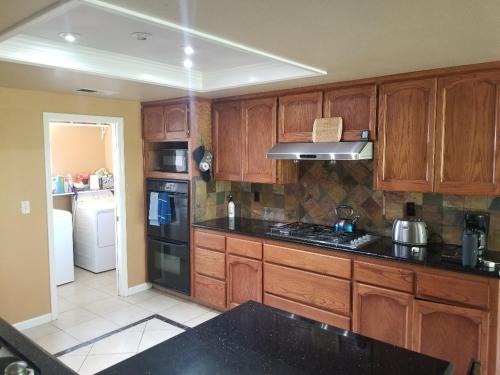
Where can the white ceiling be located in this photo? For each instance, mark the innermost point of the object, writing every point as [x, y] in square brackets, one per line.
[349, 39]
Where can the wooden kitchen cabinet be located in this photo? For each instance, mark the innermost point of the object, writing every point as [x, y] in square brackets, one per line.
[406, 135]
[467, 129]
[259, 135]
[153, 128]
[227, 140]
[176, 121]
[244, 280]
[243, 132]
[451, 333]
[358, 108]
[297, 114]
[165, 122]
[382, 314]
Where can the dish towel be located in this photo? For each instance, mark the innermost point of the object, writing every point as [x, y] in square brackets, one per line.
[153, 209]
[164, 209]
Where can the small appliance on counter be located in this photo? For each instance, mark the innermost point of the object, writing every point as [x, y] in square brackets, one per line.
[410, 231]
[346, 220]
[474, 237]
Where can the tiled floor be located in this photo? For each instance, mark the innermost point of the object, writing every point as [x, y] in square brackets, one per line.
[90, 308]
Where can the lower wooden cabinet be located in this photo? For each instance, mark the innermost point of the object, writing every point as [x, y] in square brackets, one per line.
[210, 291]
[244, 280]
[451, 333]
[382, 314]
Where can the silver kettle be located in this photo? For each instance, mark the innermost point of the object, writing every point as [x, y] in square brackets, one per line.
[411, 231]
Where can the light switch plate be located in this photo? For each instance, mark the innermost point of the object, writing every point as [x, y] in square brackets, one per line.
[25, 207]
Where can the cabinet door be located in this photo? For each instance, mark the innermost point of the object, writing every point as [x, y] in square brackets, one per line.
[297, 114]
[467, 132]
[227, 130]
[244, 280]
[358, 108]
[259, 135]
[451, 333]
[153, 125]
[176, 121]
[371, 303]
[406, 136]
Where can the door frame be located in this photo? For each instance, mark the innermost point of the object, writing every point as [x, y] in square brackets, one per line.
[116, 124]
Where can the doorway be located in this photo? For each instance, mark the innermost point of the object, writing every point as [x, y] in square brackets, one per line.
[89, 199]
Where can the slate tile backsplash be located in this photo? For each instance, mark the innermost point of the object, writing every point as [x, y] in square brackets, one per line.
[324, 185]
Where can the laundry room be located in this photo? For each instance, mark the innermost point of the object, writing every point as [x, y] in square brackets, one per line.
[84, 234]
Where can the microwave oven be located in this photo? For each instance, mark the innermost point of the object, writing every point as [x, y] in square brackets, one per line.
[173, 160]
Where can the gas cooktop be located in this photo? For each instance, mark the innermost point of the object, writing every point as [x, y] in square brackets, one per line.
[322, 234]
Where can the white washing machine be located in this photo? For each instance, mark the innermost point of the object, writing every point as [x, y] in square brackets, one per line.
[63, 246]
[94, 232]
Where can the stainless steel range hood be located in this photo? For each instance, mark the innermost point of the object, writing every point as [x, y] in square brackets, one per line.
[322, 151]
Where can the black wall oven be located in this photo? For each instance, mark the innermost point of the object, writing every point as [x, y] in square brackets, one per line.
[168, 244]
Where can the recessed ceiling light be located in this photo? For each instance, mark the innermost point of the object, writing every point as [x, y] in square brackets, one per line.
[188, 63]
[188, 50]
[141, 36]
[69, 37]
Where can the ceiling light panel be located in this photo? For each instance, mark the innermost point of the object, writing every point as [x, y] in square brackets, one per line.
[109, 49]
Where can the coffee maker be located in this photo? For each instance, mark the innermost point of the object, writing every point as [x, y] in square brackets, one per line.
[477, 223]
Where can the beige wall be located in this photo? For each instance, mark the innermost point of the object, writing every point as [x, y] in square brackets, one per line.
[24, 265]
[78, 150]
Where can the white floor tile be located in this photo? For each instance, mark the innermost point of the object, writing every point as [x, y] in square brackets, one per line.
[158, 303]
[157, 325]
[108, 305]
[72, 289]
[119, 343]
[92, 329]
[64, 305]
[184, 312]
[57, 342]
[74, 362]
[152, 338]
[87, 297]
[81, 351]
[98, 362]
[127, 315]
[40, 331]
[201, 319]
[73, 317]
[141, 296]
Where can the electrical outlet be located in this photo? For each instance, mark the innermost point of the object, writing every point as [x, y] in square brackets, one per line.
[25, 207]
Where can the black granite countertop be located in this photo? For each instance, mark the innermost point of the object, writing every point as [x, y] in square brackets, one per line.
[257, 339]
[43, 362]
[431, 256]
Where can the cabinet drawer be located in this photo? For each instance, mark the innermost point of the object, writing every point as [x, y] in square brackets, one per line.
[244, 247]
[315, 262]
[210, 291]
[210, 240]
[390, 277]
[453, 289]
[319, 291]
[210, 263]
[308, 311]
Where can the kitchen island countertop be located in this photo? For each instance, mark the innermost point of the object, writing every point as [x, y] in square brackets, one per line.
[257, 339]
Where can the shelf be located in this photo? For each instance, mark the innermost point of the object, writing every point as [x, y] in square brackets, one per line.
[79, 192]
[175, 176]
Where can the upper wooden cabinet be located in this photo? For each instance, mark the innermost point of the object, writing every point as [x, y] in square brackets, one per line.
[243, 132]
[176, 121]
[153, 128]
[371, 303]
[467, 157]
[259, 135]
[451, 333]
[227, 140]
[297, 114]
[406, 135]
[165, 122]
[358, 108]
